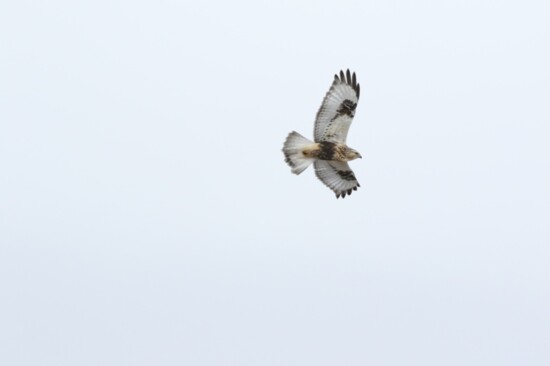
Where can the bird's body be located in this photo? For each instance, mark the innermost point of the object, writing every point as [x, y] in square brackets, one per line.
[329, 152]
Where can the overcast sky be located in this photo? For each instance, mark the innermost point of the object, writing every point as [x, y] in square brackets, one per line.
[147, 216]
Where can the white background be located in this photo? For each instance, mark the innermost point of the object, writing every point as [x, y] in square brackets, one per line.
[147, 216]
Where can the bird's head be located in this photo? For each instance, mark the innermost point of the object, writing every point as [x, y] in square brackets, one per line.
[353, 154]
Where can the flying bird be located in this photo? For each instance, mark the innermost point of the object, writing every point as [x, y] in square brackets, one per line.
[329, 152]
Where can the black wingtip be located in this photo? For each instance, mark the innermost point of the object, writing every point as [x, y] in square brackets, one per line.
[349, 78]
[347, 192]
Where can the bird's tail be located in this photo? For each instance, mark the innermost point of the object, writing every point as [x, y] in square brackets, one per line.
[293, 150]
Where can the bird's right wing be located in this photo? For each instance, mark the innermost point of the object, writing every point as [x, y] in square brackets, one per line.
[338, 109]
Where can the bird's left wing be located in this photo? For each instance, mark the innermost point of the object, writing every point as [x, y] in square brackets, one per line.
[336, 175]
[336, 113]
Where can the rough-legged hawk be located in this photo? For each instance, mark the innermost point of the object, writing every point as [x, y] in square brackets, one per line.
[329, 153]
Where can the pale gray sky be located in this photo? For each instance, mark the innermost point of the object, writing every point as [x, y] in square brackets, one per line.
[147, 216]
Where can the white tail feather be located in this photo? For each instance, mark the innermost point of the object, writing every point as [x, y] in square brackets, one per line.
[294, 157]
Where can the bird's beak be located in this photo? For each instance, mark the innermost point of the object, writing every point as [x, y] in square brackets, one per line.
[360, 157]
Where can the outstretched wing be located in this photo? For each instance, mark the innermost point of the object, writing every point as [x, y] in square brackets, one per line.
[338, 108]
[337, 176]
